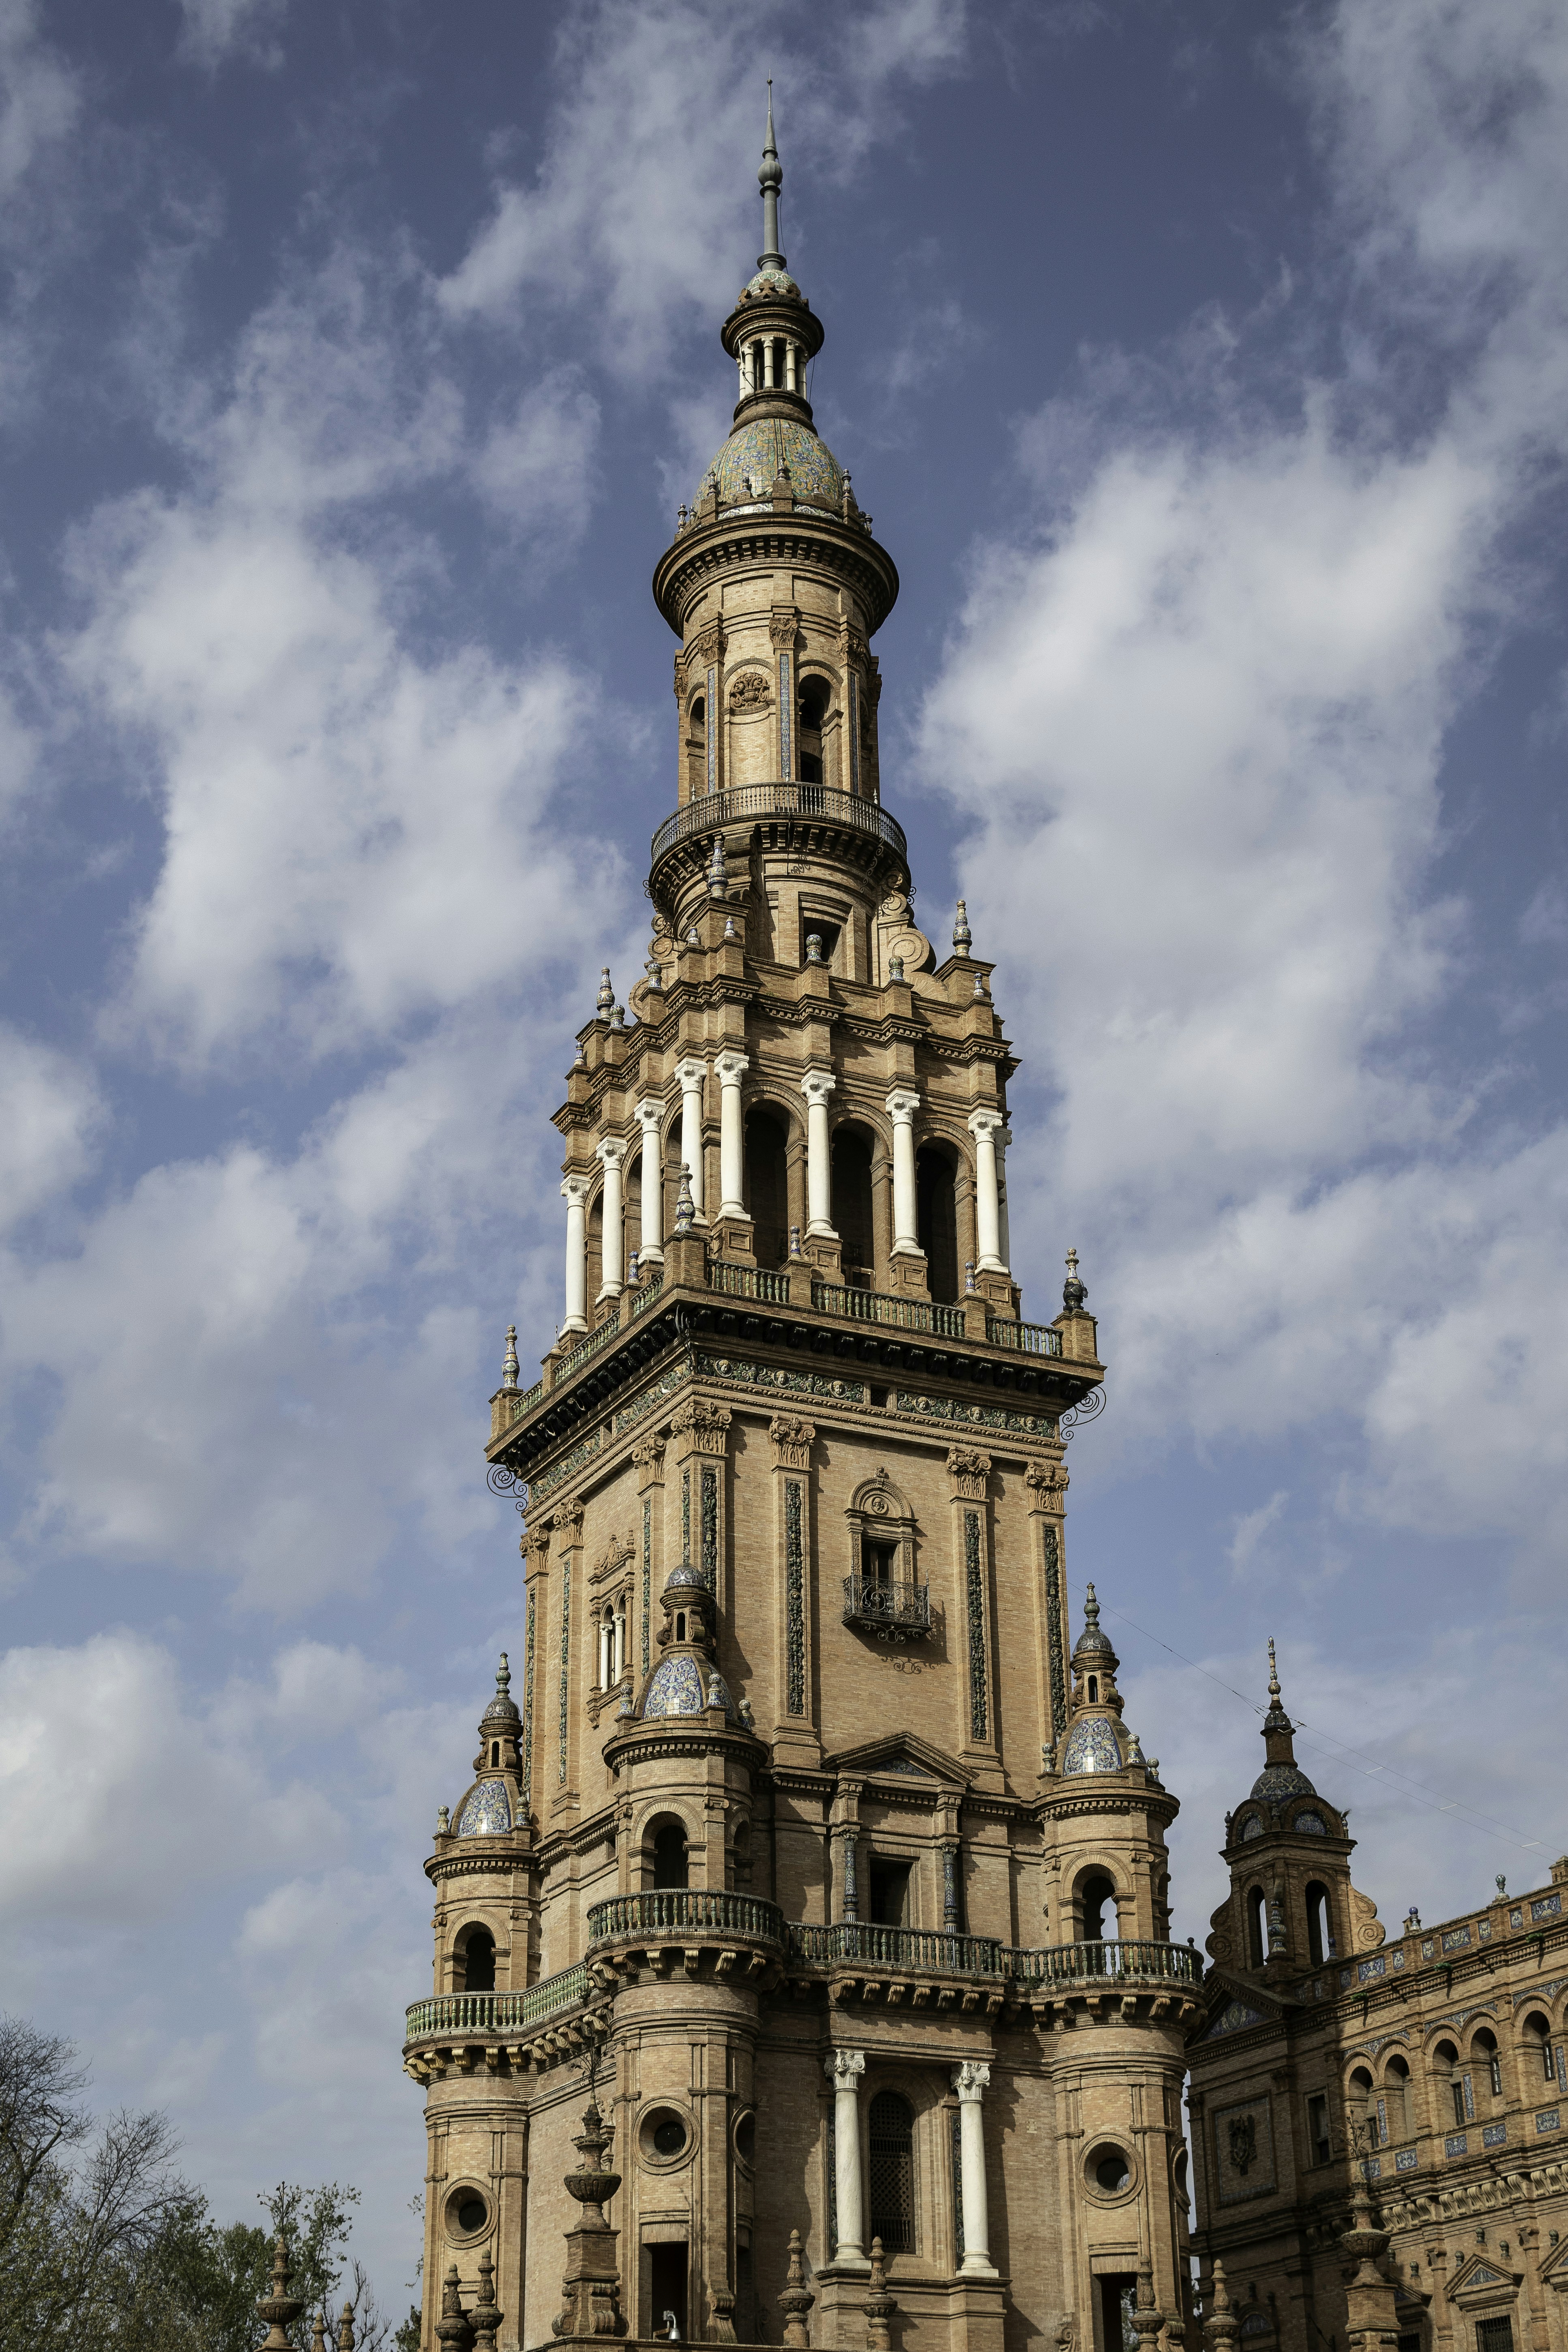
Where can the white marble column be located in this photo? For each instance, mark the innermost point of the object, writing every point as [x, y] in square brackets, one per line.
[612, 1153]
[1004, 1234]
[983, 1127]
[843, 2069]
[901, 1106]
[574, 1192]
[970, 2081]
[732, 1069]
[691, 1076]
[817, 1086]
[650, 1118]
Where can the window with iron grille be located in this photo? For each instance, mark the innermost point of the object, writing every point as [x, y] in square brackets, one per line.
[892, 2172]
[1494, 2335]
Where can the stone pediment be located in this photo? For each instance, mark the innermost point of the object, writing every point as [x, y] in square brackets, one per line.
[1233, 2007]
[1484, 2279]
[902, 1756]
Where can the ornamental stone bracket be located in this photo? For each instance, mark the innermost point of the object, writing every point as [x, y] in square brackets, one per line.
[792, 1442]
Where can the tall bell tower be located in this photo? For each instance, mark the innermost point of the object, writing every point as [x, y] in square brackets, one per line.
[811, 1852]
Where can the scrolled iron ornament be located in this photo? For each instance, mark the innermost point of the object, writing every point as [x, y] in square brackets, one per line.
[502, 1480]
[1087, 1408]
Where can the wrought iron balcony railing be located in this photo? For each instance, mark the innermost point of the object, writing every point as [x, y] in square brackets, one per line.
[497, 2013]
[900, 1610]
[821, 803]
[670, 1911]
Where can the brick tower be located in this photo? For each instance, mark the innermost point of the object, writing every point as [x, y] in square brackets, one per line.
[814, 1881]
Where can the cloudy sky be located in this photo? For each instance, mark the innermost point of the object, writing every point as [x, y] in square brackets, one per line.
[1205, 367]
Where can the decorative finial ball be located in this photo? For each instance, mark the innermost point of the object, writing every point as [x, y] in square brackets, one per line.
[814, 947]
[895, 967]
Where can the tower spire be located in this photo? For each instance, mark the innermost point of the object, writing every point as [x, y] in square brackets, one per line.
[771, 176]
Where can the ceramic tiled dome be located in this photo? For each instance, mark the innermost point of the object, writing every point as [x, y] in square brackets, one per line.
[754, 452]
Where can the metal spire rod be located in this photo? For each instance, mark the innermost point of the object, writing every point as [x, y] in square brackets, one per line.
[772, 178]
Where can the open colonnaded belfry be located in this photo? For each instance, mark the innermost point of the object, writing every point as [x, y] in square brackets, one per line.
[802, 1955]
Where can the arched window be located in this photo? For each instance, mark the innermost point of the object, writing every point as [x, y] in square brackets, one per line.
[1446, 2064]
[479, 1961]
[767, 1184]
[669, 1857]
[1097, 1904]
[815, 695]
[1093, 1689]
[1537, 2035]
[1363, 2106]
[1490, 2057]
[1401, 2100]
[851, 1209]
[1320, 1933]
[936, 1220]
[1257, 1935]
[696, 747]
[891, 2181]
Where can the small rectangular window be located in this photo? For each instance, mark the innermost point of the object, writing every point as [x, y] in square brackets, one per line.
[879, 1562]
[1494, 2335]
[1318, 2129]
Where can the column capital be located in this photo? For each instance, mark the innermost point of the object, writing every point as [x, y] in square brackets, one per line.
[575, 1190]
[649, 1112]
[971, 2079]
[902, 1105]
[691, 1073]
[817, 1085]
[985, 1123]
[844, 2067]
[732, 1065]
[612, 1150]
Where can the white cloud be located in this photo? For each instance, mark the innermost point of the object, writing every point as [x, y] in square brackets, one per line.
[1251, 1529]
[49, 1114]
[40, 96]
[113, 1782]
[216, 31]
[1200, 717]
[535, 467]
[632, 214]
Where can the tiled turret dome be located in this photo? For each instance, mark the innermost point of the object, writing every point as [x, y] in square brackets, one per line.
[754, 453]
[679, 1685]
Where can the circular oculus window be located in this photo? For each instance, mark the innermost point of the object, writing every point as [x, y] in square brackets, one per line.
[1110, 2169]
[467, 2214]
[665, 2135]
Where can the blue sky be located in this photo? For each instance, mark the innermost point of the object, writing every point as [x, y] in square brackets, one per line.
[1205, 368]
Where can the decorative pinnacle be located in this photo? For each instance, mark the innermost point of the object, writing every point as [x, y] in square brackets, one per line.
[1090, 1608]
[963, 940]
[503, 1677]
[509, 1369]
[771, 180]
[1273, 1671]
[1074, 1292]
[606, 1000]
[685, 1206]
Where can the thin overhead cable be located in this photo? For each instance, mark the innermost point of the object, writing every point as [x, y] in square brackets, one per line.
[1357, 1757]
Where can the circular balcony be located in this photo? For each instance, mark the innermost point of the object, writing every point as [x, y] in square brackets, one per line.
[808, 815]
[686, 1914]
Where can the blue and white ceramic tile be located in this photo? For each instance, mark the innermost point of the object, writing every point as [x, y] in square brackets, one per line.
[486, 1813]
[1091, 1747]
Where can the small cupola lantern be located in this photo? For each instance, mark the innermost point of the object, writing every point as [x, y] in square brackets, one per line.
[687, 1680]
[493, 1806]
[1094, 1743]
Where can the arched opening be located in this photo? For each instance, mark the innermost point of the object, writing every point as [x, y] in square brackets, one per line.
[595, 1256]
[1097, 1906]
[1320, 1935]
[479, 1961]
[1489, 2060]
[891, 2181]
[696, 747]
[851, 1209]
[1537, 2035]
[1257, 1937]
[1363, 2107]
[495, 1753]
[936, 1220]
[1400, 2100]
[671, 1861]
[1446, 2064]
[814, 696]
[1094, 1690]
[767, 1184]
[740, 1856]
